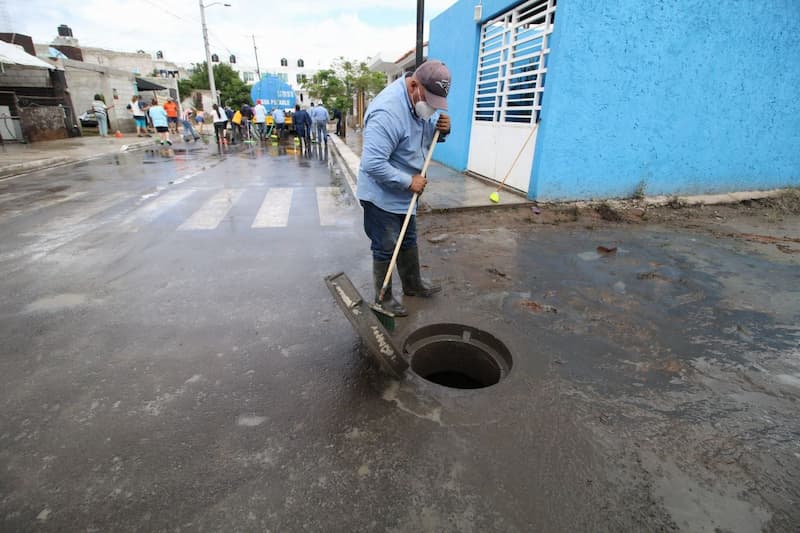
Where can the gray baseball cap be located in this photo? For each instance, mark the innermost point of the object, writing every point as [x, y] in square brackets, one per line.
[435, 77]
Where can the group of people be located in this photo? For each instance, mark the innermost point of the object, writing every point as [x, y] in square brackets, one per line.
[230, 125]
[164, 118]
[248, 122]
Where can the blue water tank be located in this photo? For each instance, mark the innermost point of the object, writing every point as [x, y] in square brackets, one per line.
[273, 92]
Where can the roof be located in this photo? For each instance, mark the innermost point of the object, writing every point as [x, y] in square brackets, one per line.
[411, 52]
[145, 85]
[11, 54]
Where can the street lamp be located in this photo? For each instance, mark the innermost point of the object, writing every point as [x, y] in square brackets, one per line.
[211, 83]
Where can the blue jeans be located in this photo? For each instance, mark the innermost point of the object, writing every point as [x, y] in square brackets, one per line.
[187, 129]
[321, 128]
[102, 124]
[383, 229]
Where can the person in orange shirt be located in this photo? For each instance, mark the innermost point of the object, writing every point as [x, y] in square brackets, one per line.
[171, 107]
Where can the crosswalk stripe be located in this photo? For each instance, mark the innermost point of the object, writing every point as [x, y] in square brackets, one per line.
[274, 210]
[68, 228]
[327, 205]
[213, 211]
[152, 210]
[40, 205]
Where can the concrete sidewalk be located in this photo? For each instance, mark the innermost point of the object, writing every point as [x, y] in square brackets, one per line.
[448, 189]
[18, 159]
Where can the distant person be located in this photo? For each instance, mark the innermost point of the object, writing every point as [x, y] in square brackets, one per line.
[137, 110]
[247, 120]
[321, 123]
[260, 114]
[279, 118]
[312, 111]
[200, 120]
[188, 130]
[220, 118]
[337, 116]
[302, 124]
[171, 107]
[158, 115]
[236, 126]
[100, 111]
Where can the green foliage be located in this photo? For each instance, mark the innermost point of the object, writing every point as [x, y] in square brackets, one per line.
[185, 88]
[231, 88]
[327, 87]
[337, 85]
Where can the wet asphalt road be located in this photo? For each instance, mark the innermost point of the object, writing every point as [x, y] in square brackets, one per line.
[171, 360]
[165, 347]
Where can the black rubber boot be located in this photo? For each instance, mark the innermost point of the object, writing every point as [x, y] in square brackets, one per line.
[408, 268]
[390, 306]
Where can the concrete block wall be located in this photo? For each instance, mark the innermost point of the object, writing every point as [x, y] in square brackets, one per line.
[18, 76]
[135, 63]
[84, 81]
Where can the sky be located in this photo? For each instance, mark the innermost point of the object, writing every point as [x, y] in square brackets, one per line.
[316, 31]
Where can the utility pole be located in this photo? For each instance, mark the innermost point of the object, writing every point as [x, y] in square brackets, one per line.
[255, 51]
[211, 83]
[420, 28]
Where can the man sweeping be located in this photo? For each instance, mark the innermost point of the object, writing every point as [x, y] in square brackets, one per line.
[398, 130]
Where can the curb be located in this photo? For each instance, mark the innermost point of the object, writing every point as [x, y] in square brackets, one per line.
[348, 160]
[20, 169]
[664, 200]
[10, 171]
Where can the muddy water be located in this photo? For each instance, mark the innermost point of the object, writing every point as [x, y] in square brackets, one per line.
[677, 353]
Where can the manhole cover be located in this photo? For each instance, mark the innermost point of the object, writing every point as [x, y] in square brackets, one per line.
[457, 356]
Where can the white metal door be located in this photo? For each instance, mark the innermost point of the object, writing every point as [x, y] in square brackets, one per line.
[511, 71]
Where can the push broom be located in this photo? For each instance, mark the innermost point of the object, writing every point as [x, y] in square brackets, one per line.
[495, 197]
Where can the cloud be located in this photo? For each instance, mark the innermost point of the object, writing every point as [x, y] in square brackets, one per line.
[320, 32]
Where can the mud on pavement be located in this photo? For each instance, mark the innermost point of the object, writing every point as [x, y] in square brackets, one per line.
[670, 335]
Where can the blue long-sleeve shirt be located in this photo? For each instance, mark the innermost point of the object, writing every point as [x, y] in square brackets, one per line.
[395, 143]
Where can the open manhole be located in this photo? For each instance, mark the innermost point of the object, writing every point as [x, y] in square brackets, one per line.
[457, 356]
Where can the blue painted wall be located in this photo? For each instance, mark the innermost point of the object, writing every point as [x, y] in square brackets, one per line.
[685, 96]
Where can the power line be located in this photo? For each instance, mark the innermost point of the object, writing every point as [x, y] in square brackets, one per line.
[216, 38]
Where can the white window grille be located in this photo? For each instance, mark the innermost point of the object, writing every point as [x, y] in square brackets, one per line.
[512, 63]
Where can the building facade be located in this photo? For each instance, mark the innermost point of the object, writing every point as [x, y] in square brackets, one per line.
[615, 98]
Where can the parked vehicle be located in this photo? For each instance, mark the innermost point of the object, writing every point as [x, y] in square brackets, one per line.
[88, 120]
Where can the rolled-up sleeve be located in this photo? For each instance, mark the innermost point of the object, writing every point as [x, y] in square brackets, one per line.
[380, 139]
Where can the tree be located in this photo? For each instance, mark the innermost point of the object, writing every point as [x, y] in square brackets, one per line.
[337, 85]
[327, 87]
[231, 88]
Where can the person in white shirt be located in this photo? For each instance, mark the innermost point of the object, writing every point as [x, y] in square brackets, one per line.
[137, 110]
[260, 114]
[220, 123]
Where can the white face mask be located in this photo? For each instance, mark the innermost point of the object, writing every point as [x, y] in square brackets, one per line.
[423, 109]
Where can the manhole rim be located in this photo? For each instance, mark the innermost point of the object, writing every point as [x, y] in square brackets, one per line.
[500, 353]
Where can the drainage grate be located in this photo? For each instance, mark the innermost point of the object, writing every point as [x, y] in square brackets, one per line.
[458, 356]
